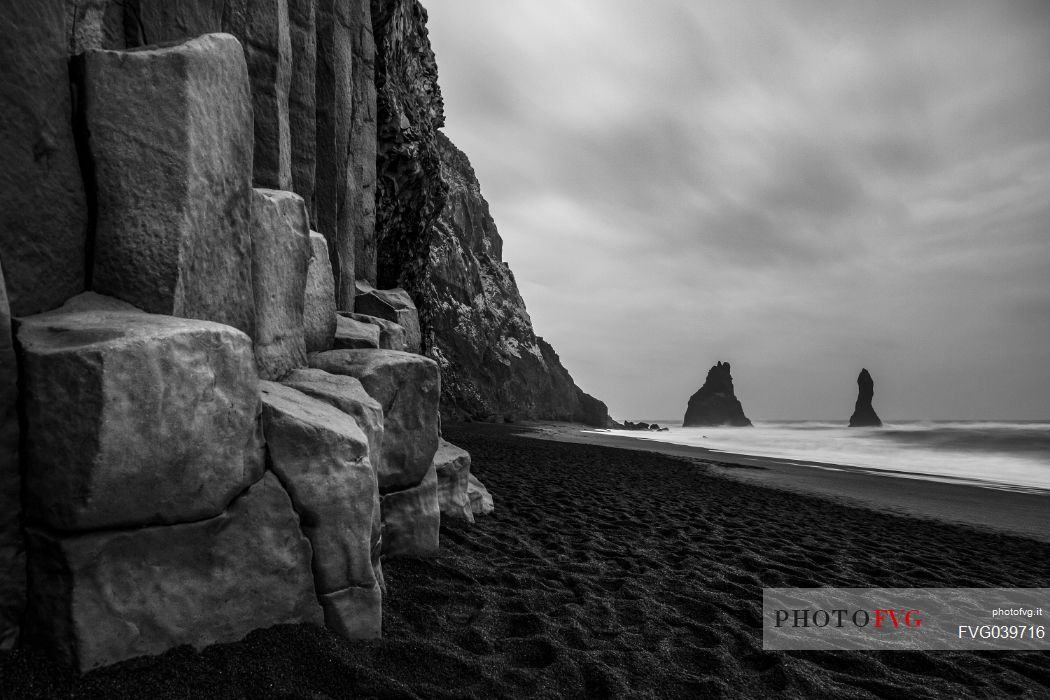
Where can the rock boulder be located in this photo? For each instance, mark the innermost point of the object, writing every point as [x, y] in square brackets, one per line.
[321, 457]
[715, 403]
[346, 394]
[171, 140]
[104, 597]
[393, 305]
[480, 499]
[407, 387]
[452, 465]
[412, 519]
[391, 335]
[351, 334]
[135, 419]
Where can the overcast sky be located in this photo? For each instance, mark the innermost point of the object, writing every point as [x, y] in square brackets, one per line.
[799, 188]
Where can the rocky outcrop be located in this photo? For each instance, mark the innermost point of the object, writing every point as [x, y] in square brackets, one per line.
[407, 387]
[412, 519]
[351, 334]
[392, 336]
[864, 415]
[346, 394]
[480, 499]
[102, 597]
[12, 548]
[43, 206]
[452, 465]
[715, 403]
[321, 456]
[135, 419]
[156, 513]
[492, 363]
[319, 321]
[174, 239]
[394, 305]
[281, 252]
[410, 192]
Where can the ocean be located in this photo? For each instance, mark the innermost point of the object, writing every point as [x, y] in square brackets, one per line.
[1005, 455]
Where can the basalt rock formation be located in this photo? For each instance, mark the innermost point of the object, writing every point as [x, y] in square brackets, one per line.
[864, 415]
[493, 365]
[715, 403]
[160, 290]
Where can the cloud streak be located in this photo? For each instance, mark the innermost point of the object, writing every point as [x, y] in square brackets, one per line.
[800, 188]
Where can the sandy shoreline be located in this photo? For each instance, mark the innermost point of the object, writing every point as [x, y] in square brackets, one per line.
[608, 573]
[1014, 512]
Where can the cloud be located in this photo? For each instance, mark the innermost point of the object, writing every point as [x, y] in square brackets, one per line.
[801, 188]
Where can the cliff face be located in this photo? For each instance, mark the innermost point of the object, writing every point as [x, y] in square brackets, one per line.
[493, 364]
[410, 192]
[715, 403]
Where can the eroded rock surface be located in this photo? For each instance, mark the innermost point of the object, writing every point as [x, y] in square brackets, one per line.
[392, 336]
[393, 305]
[412, 519]
[480, 499]
[12, 548]
[319, 312]
[135, 419]
[107, 596]
[174, 239]
[281, 251]
[321, 457]
[407, 387]
[263, 28]
[715, 403]
[346, 394]
[351, 334]
[43, 207]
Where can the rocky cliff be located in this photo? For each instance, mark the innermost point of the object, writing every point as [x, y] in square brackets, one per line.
[715, 403]
[864, 415]
[492, 363]
[410, 192]
[168, 387]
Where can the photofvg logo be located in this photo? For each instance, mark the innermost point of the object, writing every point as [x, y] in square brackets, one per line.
[807, 617]
[905, 618]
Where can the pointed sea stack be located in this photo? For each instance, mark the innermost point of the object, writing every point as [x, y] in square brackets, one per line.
[864, 415]
[715, 403]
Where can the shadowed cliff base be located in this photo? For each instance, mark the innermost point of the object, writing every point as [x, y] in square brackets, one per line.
[625, 573]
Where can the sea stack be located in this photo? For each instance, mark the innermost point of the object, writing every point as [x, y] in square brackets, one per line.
[864, 415]
[715, 403]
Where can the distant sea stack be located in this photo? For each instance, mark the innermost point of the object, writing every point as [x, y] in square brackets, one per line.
[864, 415]
[715, 403]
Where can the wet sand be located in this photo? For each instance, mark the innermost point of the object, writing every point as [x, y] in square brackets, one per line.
[1016, 512]
[611, 573]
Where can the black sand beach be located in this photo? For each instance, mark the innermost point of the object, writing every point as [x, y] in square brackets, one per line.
[610, 573]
